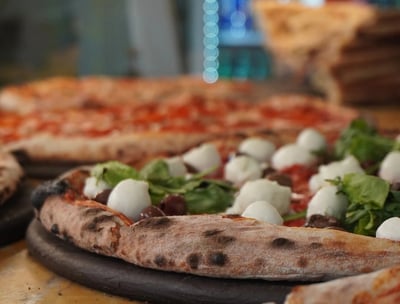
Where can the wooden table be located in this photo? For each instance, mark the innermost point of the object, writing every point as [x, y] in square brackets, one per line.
[23, 280]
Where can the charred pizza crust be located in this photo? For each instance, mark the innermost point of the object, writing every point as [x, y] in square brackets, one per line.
[130, 148]
[10, 175]
[207, 245]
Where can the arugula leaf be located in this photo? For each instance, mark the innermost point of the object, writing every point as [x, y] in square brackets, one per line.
[202, 195]
[371, 202]
[365, 220]
[113, 172]
[396, 146]
[363, 142]
[365, 189]
[155, 170]
[295, 216]
[209, 198]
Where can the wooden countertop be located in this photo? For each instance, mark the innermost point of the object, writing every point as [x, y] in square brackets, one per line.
[24, 280]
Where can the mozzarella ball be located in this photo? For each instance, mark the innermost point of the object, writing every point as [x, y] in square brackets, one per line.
[93, 186]
[348, 165]
[202, 158]
[390, 167]
[292, 154]
[389, 229]
[335, 169]
[264, 212]
[176, 166]
[315, 182]
[263, 190]
[130, 197]
[327, 201]
[241, 169]
[258, 148]
[311, 140]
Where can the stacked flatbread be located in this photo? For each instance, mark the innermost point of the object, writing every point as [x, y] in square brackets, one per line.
[349, 51]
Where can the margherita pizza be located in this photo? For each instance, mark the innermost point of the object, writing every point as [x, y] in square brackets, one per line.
[64, 120]
[60, 93]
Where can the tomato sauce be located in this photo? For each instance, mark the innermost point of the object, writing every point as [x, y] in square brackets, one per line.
[300, 176]
[193, 114]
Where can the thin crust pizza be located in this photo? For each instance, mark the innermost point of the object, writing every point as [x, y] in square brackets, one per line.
[60, 93]
[208, 245]
[96, 118]
[303, 217]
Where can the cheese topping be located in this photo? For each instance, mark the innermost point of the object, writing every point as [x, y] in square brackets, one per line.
[93, 187]
[262, 190]
[258, 148]
[292, 154]
[390, 167]
[203, 158]
[327, 201]
[241, 169]
[130, 197]
[389, 229]
[335, 169]
[263, 211]
[311, 140]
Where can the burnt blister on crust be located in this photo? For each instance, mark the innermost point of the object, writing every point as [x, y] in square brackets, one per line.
[54, 229]
[225, 239]
[160, 261]
[283, 243]
[302, 262]
[212, 232]
[94, 225]
[48, 188]
[216, 236]
[217, 258]
[155, 222]
[315, 245]
[193, 260]
[65, 235]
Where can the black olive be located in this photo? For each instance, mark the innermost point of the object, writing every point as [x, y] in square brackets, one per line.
[323, 221]
[102, 197]
[280, 178]
[190, 168]
[395, 186]
[267, 171]
[151, 211]
[173, 205]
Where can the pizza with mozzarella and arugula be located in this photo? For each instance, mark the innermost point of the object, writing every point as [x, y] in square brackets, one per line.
[309, 210]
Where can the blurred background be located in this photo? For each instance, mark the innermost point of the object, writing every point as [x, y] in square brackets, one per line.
[147, 38]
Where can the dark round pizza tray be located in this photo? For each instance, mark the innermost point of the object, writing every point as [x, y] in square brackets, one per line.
[121, 278]
[15, 214]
